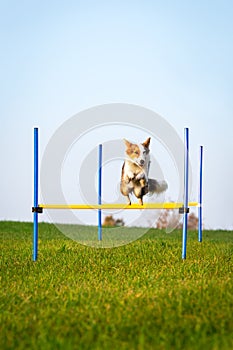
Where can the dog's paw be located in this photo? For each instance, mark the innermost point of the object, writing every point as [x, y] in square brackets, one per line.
[130, 175]
[127, 180]
[140, 176]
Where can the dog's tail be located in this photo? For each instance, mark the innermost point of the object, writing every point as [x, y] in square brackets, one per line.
[155, 186]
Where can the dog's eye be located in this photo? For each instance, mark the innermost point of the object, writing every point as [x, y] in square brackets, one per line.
[136, 152]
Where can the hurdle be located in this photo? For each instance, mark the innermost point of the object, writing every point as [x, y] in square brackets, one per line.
[183, 207]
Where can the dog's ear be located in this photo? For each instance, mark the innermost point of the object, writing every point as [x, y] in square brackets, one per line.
[147, 143]
[127, 143]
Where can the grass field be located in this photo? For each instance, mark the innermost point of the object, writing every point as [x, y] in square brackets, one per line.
[138, 296]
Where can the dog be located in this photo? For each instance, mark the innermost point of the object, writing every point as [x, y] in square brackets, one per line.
[135, 171]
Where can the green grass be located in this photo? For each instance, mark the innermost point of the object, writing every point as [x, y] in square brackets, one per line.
[138, 296]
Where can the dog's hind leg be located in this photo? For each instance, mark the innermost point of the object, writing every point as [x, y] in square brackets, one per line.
[128, 200]
[125, 191]
[138, 191]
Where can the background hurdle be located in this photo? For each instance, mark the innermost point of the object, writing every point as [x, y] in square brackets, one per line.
[183, 207]
[186, 182]
[200, 197]
[100, 194]
[36, 185]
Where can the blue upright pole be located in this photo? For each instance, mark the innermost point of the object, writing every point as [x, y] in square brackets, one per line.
[100, 194]
[200, 198]
[36, 178]
[186, 175]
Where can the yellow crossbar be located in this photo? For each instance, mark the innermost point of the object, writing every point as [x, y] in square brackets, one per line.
[166, 205]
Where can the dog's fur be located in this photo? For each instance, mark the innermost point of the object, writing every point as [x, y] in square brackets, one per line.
[134, 175]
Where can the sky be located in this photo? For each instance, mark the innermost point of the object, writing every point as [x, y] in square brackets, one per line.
[59, 58]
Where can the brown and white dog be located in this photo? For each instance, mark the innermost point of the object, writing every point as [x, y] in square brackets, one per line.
[134, 175]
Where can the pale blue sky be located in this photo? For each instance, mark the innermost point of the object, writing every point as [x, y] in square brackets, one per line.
[60, 57]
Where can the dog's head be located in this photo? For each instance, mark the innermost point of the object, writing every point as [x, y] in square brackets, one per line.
[138, 153]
